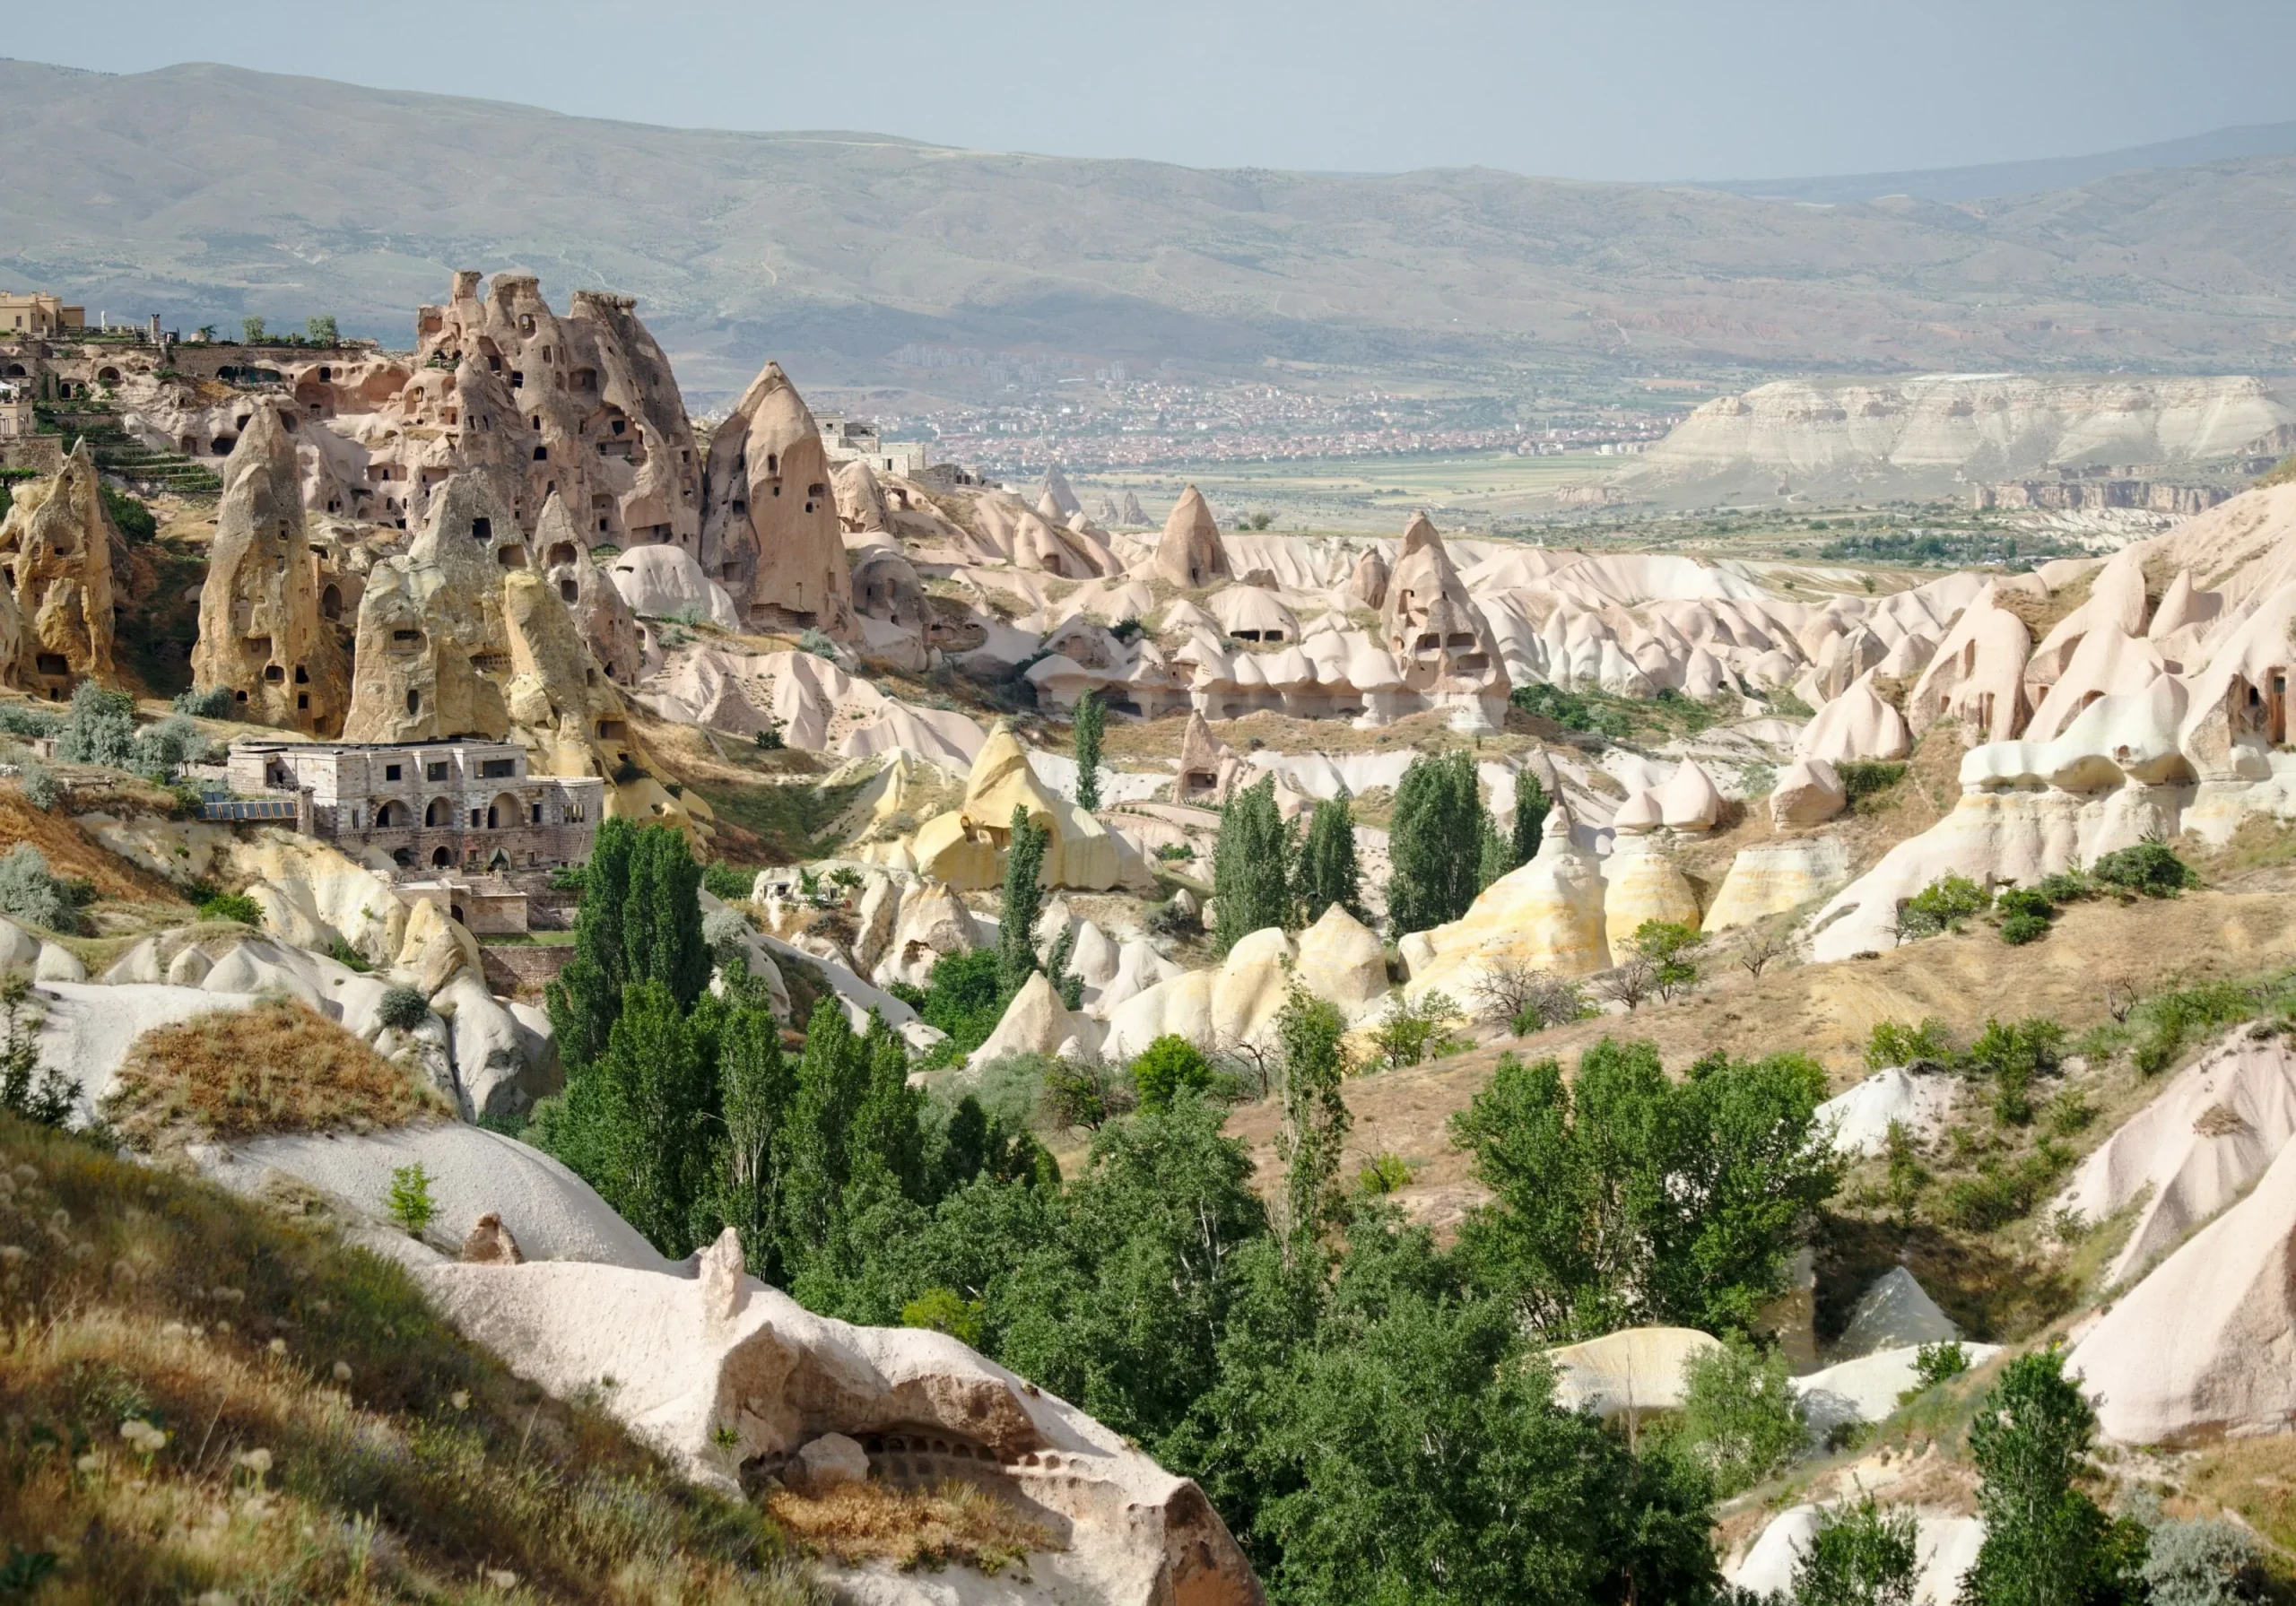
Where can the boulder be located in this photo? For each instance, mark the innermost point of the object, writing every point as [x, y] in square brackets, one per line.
[260, 968]
[1643, 882]
[58, 963]
[493, 1065]
[1342, 961]
[1858, 724]
[1547, 914]
[1035, 1022]
[489, 1244]
[1689, 801]
[1636, 1369]
[1895, 1312]
[829, 1462]
[932, 922]
[1808, 793]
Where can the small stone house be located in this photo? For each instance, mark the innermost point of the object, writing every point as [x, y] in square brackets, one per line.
[458, 804]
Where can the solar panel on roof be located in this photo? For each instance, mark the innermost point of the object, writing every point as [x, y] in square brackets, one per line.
[239, 808]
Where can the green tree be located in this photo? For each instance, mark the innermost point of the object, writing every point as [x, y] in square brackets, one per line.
[320, 329]
[1166, 1067]
[1859, 1556]
[833, 1079]
[1740, 1416]
[587, 996]
[2047, 1543]
[1023, 903]
[411, 1204]
[1494, 853]
[661, 923]
[36, 1091]
[1090, 718]
[251, 331]
[1624, 1198]
[1530, 825]
[1329, 872]
[1310, 1032]
[757, 1088]
[1250, 866]
[99, 729]
[963, 998]
[1434, 844]
[1667, 945]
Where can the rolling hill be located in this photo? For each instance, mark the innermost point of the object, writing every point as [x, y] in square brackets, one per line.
[204, 192]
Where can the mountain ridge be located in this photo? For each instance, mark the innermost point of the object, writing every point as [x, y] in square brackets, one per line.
[205, 192]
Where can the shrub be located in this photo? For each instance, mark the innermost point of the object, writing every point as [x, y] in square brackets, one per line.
[340, 951]
[1942, 905]
[1739, 1414]
[2149, 868]
[1999, 1195]
[39, 1093]
[29, 893]
[1172, 918]
[1934, 1363]
[232, 906]
[2174, 1018]
[1413, 1029]
[240, 1073]
[99, 728]
[39, 784]
[1167, 1066]
[726, 933]
[1891, 1043]
[941, 1310]
[2202, 1564]
[722, 881]
[2014, 1056]
[769, 734]
[411, 1204]
[1862, 779]
[130, 517]
[1859, 1556]
[1083, 1093]
[1667, 945]
[402, 1008]
[818, 644]
[1386, 1174]
[18, 720]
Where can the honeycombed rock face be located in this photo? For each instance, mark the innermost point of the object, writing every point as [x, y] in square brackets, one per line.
[260, 630]
[56, 546]
[583, 407]
[600, 614]
[770, 531]
[1439, 639]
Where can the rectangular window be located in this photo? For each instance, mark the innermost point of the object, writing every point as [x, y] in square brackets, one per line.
[436, 772]
[476, 815]
[495, 769]
[535, 810]
[390, 772]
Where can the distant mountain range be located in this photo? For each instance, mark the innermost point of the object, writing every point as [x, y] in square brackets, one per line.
[205, 192]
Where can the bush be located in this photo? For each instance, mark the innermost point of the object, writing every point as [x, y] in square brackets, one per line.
[1865, 778]
[411, 1204]
[2202, 1564]
[1415, 1029]
[722, 881]
[1172, 918]
[18, 720]
[1574, 711]
[1859, 1556]
[1083, 1093]
[402, 1008]
[162, 748]
[2026, 914]
[214, 702]
[2149, 868]
[29, 893]
[945, 1311]
[39, 784]
[1942, 905]
[1934, 1363]
[726, 933]
[130, 517]
[1166, 1067]
[1999, 1195]
[1388, 1173]
[1739, 1414]
[2175, 1017]
[99, 729]
[2014, 1056]
[818, 644]
[1892, 1045]
[232, 906]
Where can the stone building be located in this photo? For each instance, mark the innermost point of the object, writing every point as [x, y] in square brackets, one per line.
[38, 314]
[851, 440]
[460, 805]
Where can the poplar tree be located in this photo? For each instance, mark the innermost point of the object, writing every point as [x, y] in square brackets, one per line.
[757, 1087]
[1328, 871]
[1531, 807]
[1434, 844]
[1023, 903]
[1089, 719]
[1249, 865]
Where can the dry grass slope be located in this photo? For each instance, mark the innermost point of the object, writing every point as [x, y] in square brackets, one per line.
[955, 1523]
[196, 1397]
[276, 1067]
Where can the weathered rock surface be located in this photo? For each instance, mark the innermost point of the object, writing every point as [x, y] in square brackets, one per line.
[56, 552]
[1638, 1369]
[770, 534]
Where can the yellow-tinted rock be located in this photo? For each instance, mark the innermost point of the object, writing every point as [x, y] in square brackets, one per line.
[1641, 886]
[1763, 882]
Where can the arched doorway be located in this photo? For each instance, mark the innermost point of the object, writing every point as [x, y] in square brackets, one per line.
[440, 812]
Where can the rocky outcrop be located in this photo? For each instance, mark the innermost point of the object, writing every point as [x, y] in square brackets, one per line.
[1441, 643]
[602, 617]
[770, 534]
[965, 847]
[56, 552]
[261, 632]
[1189, 553]
[736, 1380]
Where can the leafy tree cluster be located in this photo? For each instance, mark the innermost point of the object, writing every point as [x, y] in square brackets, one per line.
[1621, 1198]
[681, 1108]
[2046, 1542]
[1435, 843]
[1267, 874]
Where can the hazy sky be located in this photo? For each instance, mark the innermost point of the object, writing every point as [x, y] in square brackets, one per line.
[1651, 90]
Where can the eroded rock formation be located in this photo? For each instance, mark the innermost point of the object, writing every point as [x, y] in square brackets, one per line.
[770, 533]
[261, 633]
[55, 550]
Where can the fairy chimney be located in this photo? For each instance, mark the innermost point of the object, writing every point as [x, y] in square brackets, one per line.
[770, 534]
[1190, 553]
